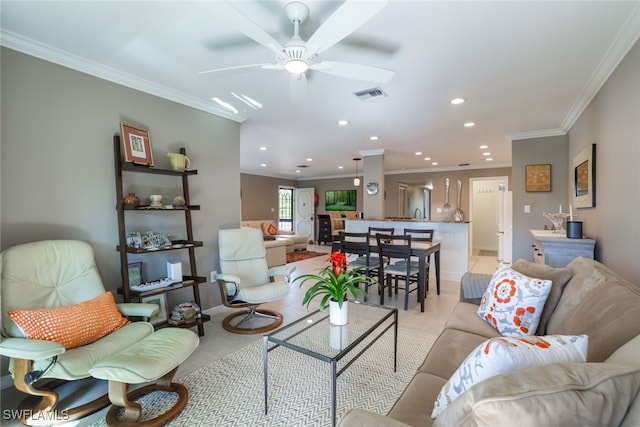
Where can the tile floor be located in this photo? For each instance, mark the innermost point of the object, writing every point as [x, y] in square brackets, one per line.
[218, 342]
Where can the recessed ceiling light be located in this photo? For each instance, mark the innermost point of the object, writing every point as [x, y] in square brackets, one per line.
[343, 122]
[309, 159]
[264, 165]
[434, 164]
[469, 124]
[427, 158]
[298, 171]
[224, 104]
[418, 153]
[457, 101]
[484, 147]
[340, 167]
[374, 138]
[263, 148]
[489, 159]
[486, 154]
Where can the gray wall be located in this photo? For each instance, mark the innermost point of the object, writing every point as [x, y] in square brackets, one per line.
[57, 171]
[260, 195]
[612, 122]
[535, 151]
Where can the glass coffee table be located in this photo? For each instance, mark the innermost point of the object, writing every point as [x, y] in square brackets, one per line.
[314, 336]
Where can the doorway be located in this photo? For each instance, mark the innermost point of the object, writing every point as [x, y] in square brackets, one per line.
[483, 199]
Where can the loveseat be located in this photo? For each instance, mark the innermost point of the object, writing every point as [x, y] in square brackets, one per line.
[294, 241]
[585, 298]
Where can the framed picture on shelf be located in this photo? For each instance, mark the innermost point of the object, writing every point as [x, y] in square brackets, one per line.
[135, 274]
[137, 145]
[160, 300]
[134, 240]
[538, 178]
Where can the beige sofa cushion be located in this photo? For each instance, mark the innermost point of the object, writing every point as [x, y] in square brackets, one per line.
[416, 403]
[448, 352]
[559, 278]
[560, 394]
[599, 303]
[464, 317]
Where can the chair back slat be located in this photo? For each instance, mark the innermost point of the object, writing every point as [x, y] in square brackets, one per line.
[354, 243]
[394, 245]
[420, 235]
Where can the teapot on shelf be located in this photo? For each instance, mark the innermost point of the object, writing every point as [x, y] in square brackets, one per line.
[179, 162]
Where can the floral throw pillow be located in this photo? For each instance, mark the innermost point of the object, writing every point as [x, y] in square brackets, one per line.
[269, 229]
[513, 302]
[502, 355]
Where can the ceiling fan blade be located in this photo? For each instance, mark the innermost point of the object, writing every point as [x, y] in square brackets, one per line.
[350, 16]
[298, 88]
[240, 68]
[235, 19]
[354, 71]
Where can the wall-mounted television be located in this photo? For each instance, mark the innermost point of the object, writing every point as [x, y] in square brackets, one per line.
[340, 200]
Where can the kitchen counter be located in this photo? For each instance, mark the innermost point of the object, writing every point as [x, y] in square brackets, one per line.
[453, 238]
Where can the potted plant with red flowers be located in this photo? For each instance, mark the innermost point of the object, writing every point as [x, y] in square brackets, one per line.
[334, 283]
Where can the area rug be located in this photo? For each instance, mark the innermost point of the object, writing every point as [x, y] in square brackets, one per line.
[230, 391]
[300, 255]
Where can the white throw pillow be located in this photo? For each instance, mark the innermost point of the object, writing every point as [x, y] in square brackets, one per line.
[508, 354]
[513, 302]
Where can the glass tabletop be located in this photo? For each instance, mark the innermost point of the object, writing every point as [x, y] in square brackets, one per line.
[315, 336]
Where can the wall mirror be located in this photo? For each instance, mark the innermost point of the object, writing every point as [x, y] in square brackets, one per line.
[584, 178]
[414, 200]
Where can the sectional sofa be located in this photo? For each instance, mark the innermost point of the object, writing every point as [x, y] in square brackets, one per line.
[585, 298]
[293, 241]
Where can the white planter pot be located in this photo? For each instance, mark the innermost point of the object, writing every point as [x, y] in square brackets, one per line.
[338, 336]
[338, 316]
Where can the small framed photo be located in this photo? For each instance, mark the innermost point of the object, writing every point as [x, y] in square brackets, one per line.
[134, 240]
[135, 274]
[538, 178]
[159, 300]
[137, 145]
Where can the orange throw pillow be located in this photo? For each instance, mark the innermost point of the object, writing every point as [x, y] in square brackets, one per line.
[72, 325]
[269, 229]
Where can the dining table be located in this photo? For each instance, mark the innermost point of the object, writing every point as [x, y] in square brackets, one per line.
[422, 251]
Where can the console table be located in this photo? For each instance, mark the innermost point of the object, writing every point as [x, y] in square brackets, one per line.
[556, 250]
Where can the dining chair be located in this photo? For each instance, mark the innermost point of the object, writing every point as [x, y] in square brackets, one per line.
[373, 252]
[421, 235]
[397, 247]
[356, 244]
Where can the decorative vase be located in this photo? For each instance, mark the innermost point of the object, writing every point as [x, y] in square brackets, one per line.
[178, 202]
[131, 201]
[338, 315]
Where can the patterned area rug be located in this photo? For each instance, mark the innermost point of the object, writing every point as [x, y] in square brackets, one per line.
[300, 255]
[230, 391]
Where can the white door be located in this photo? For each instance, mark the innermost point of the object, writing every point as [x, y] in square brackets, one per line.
[304, 212]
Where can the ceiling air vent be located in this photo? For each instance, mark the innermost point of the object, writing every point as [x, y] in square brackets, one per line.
[463, 164]
[370, 94]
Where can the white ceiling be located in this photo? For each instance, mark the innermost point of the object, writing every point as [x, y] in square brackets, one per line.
[526, 68]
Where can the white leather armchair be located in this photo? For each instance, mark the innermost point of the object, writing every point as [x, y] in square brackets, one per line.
[54, 274]
[246, 281]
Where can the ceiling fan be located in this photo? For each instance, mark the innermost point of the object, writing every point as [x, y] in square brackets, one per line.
[297, 56]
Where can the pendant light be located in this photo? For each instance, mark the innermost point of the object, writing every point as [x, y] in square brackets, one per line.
[356, 180]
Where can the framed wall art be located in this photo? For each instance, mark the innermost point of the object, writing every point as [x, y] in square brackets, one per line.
[159, 300]
[135, 274]
[137, 145]
[584, 178]
[538, 178]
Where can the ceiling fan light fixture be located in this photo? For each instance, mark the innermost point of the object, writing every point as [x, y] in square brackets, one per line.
[296, 66]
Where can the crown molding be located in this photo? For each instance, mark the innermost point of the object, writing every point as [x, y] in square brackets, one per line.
[543, 133]
[624, 41]
[42, 51]
[374, 152]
